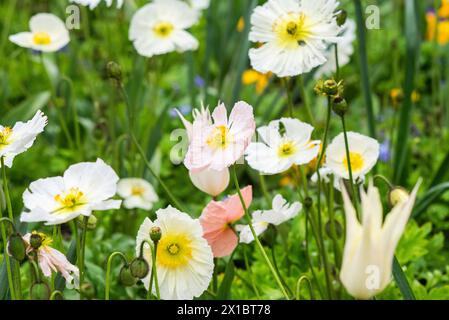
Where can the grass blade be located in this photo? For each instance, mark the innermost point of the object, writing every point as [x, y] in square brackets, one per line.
[401, 281]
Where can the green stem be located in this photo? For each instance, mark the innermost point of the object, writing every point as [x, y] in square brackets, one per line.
[333, 231]
[348, 159]
[108, 271]
[251, 275]
[337, 64]
[298, 287]
[81, 255]
[8, 263]
[154, 270]
[215, 276]
[78, 247]
[273, 256]
[56, 293]
[305, 101]
[263, 186]
[289, 97]
[256, 239]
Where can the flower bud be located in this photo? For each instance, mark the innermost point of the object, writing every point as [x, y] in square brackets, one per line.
[36, 240]
[91, 222]
[329, 87]
[397, 195]
[126, 278]
[338, 229]
[40, 291]
[139, 268]
[16, 246]
[114, 71]
[308, 202]
[155, 234]
[339, 105]
[341, 17]
[210, 181]
[88, 290]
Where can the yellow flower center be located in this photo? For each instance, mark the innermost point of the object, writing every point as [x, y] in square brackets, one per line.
[292, 30]
[137, 191]
[356, 160]
[174, 250]
[286, 149]
[5, 135]
[219, 138]
[70, 201]
[163, 29]
[41, 38]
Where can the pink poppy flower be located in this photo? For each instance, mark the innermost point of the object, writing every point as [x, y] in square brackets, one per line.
[50, 259]
[218, 144]
[217, 218]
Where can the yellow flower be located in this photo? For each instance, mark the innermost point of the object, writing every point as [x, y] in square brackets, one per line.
[397, 96]
[260, 79]
[438, 28]
[443, 12]
[241, 24]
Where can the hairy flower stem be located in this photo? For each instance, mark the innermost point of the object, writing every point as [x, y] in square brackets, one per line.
[15, 266]
[108, 271]
[351, 180]
[82, 249]
[337, 64]
[305, 101]
[256, 239]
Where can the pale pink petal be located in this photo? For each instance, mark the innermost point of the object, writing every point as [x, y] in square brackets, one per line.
[224, 245]
[233, 205]
[220, 115]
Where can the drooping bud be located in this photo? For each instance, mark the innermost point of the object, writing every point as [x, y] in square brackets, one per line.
[210, 181]
[155, 234]
[16, 246]
[126, 278]
[88, 290]
[308, 202]
[139, 267]
[36, 240]
[114, 71]
[40, 291]
[341, 17]
[397, 195]
[339, 105]
[338, 229]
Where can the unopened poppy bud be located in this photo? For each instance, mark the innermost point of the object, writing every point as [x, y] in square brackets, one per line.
[39, 291]
[340, 106]
[126, 278]
[91, 222]
[397, 195]
[16, 246]
[155, 234]
[139, 268]
[114, 70]
[338, 229]
[341, 17]
[329, 87]
[35, 240]
[88, 290]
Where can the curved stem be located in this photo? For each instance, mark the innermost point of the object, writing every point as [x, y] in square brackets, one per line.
[256, 239]
[108, 271]
[55, 293]
[273, 256]
[298, 287]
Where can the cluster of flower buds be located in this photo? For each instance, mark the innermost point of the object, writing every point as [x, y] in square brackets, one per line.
[138, 268]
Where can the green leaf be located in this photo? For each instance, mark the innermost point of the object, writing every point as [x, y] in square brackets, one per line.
[442, 171]
[412, 44]
[224, 292]
[401, 281]
[429, 198]
[28, 108]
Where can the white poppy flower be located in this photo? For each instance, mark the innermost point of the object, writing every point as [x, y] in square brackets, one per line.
[295, 35]
[20, 137]
[278, 152]
[159, 27]
[280, 213]
[47, 33]
[137, 193]
[199, 4]
[363, 154]
[370, 243]
[84, 187]
[92, 4]
[345, 51]
[184, 259]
